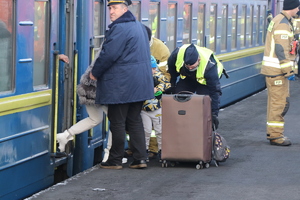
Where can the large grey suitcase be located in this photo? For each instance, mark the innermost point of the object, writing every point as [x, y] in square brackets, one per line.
[186, 129]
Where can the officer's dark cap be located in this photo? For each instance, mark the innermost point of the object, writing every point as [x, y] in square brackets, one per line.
[112, 2]
[191, 55]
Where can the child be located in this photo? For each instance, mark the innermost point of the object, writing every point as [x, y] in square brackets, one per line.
[151, 112]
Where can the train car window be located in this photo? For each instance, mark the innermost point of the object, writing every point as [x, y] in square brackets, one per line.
[171, 26]
[234, 26]
[40, 69]
[224, 27]
[6, 43]
[250, 26]
[201, 22]
[212, 27]
[135, 8]
[99, 23]
[187, 21]
[258, 24]
[243, 26]
[153, 18]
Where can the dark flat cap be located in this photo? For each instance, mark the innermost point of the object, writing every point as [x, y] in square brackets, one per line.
[191, 55]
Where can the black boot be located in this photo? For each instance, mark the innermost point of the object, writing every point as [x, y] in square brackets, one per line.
[138, 164]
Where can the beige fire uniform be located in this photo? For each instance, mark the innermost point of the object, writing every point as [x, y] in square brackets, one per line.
[161, 53]
[278, 64]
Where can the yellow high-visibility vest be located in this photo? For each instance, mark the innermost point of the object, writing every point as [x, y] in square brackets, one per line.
[204, 54]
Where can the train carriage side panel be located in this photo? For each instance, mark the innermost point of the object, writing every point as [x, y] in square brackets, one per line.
[25, 122]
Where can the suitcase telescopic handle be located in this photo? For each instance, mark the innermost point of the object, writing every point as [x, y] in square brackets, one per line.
[183, 96]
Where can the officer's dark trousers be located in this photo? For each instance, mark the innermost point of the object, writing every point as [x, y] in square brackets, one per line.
[127, 116]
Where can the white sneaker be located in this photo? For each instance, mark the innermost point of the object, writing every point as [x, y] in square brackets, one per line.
[106, 154]
[62, 139]
[124, 160]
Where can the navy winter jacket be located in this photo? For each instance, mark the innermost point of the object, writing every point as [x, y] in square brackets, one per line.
[123, 69]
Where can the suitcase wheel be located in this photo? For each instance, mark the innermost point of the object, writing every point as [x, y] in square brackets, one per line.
[202, 165]
[199, 166]
[164, 164]
[206, 165]
[173, 164]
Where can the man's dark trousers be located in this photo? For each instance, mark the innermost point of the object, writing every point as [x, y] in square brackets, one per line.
[126, 117]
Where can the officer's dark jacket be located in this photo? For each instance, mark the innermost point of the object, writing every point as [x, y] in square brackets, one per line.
[123, 69]
[212, 87]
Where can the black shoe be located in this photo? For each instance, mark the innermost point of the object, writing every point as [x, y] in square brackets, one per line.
[138, 164]
[281, 142]
[108, 165]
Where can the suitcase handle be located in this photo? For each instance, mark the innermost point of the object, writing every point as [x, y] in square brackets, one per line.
[183, 96]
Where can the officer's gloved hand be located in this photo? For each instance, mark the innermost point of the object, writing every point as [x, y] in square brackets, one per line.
[292, 77]
[215, 121]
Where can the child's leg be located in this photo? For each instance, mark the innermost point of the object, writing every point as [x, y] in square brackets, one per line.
[156, 119]
[147, 126]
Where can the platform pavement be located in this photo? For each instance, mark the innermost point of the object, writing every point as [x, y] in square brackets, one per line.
[256, 170]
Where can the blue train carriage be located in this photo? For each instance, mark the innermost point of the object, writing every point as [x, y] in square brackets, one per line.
[38, 93]
[26, 139]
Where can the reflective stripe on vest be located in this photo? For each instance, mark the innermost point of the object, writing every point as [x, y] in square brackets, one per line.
[274, 62]
[204, 58]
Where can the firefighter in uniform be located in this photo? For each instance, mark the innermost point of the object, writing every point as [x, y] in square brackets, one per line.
[199, 72]
[278, 63]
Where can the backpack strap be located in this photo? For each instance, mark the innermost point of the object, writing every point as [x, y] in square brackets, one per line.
[213, 144]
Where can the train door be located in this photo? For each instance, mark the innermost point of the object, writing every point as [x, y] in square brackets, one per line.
[91, 20]
[70, 70]
[64, 84]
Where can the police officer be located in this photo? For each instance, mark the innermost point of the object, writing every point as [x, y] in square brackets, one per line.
[199, 72]
[278, 63]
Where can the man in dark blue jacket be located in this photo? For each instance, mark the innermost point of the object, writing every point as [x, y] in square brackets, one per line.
[124, 81]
